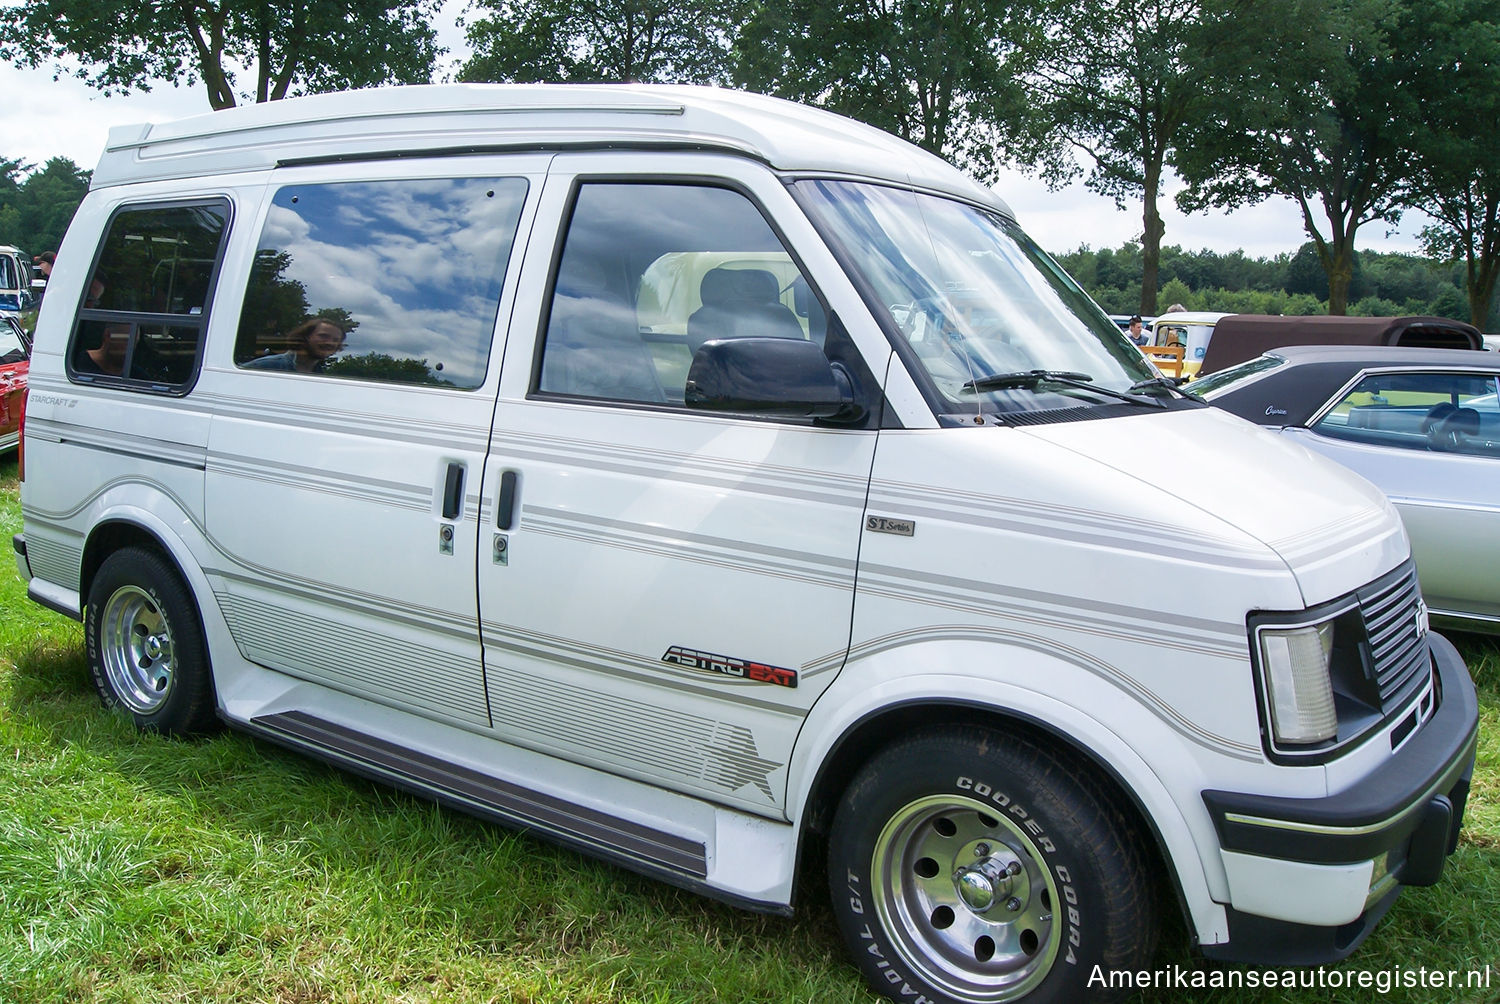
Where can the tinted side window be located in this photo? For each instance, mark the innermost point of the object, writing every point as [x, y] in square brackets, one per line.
[1447, 412]
[146, 307]
[649, 272]
[396, 281]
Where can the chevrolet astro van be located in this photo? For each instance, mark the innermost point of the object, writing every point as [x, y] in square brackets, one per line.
[709, 483]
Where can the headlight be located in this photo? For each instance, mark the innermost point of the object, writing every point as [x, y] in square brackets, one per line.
[1299, 691]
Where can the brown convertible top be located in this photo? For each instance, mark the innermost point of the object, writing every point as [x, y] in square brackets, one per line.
[1238, 337]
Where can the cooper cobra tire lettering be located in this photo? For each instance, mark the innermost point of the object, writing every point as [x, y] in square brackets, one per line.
[973, 867]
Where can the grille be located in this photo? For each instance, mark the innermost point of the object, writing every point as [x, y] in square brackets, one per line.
[1398, 647]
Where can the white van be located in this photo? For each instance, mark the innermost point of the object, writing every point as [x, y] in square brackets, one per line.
[382, 425]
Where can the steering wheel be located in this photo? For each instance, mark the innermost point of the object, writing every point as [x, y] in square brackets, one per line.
[1448, 427]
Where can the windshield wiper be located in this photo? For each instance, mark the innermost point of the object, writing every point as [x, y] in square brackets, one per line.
[1033, 379]
[1173, 384]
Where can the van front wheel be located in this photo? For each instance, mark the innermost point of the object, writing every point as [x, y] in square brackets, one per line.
[145, 644]
[972, 867]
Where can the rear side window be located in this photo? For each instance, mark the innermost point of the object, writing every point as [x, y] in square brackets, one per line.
[145, 308]
[395, 281]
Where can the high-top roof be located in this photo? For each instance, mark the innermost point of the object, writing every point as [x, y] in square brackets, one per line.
[448, 118]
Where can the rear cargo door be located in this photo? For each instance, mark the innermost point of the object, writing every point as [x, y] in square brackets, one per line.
[351, 422]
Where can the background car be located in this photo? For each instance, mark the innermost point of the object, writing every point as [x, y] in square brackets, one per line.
[15, 281]
[15, 365]
[1238, 337]
[1189, 330]
[1421, 424]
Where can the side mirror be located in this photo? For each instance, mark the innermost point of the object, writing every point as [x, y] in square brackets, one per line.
[770, 376]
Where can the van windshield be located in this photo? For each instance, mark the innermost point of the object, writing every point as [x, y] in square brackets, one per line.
[976, 300]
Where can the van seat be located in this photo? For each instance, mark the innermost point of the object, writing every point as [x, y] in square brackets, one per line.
[741, 303]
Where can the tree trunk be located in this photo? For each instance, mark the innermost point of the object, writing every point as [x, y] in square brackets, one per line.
[1481, 289]
[1340, 276]
[1484, 261]
[1151, 241]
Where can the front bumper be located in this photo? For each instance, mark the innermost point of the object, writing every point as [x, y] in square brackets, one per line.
[1310, 877]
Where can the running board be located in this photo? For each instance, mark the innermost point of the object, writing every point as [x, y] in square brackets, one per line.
[502, 801]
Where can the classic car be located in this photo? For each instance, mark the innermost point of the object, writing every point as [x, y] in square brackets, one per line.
[1238, 337]
[15, 281]
[1422, 424]
[15, 353]
[1180, 339]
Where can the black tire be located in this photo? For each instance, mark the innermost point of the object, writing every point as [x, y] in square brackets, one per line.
[974, 867]
[145, 644]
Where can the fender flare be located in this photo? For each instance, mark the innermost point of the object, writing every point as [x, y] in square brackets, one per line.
[855, 702]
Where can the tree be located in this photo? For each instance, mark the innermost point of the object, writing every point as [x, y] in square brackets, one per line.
[35, 213]
[10, 192]
[1119, 82]
[381, 366]
[943, 74]
[1456, 153]
[1308, 99]
[10, 179]
[596, 41]
[291, 47]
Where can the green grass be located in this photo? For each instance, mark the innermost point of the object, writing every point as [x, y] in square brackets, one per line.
[139, 869]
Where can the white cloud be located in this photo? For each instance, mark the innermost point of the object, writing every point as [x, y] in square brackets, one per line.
[45, 118]
[1065, 220]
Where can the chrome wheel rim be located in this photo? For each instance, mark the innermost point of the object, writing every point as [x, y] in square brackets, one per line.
[967, 898]
[137, 651]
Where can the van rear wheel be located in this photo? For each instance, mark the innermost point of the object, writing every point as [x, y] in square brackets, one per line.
[973, 867]
[145, 644]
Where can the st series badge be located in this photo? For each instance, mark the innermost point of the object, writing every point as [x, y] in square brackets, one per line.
[723, 664]
[885, 524]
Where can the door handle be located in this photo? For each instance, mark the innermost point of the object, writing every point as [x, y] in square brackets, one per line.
[505, 507]
[453, 492]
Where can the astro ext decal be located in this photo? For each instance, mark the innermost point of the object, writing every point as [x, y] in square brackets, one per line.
[741, 668]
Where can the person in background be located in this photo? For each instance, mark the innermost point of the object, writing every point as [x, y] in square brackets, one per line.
[104, 353]
[1136, 334]
[315, 342]
[42, 266]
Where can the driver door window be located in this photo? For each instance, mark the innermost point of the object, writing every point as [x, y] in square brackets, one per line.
[1445, 412]
[649, 272]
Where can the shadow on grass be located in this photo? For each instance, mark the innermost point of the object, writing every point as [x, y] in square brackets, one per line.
[1482, 653]
[416, 874]
[46, 668]
[436, 875]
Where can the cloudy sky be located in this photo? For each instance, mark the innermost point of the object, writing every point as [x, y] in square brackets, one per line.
[45, 118]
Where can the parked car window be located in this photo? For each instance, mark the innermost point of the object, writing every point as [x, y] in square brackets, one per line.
[14, 344]
[1234, 374]
[145, 307]
[395, 281]
[1450, 412]
[650, 272]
